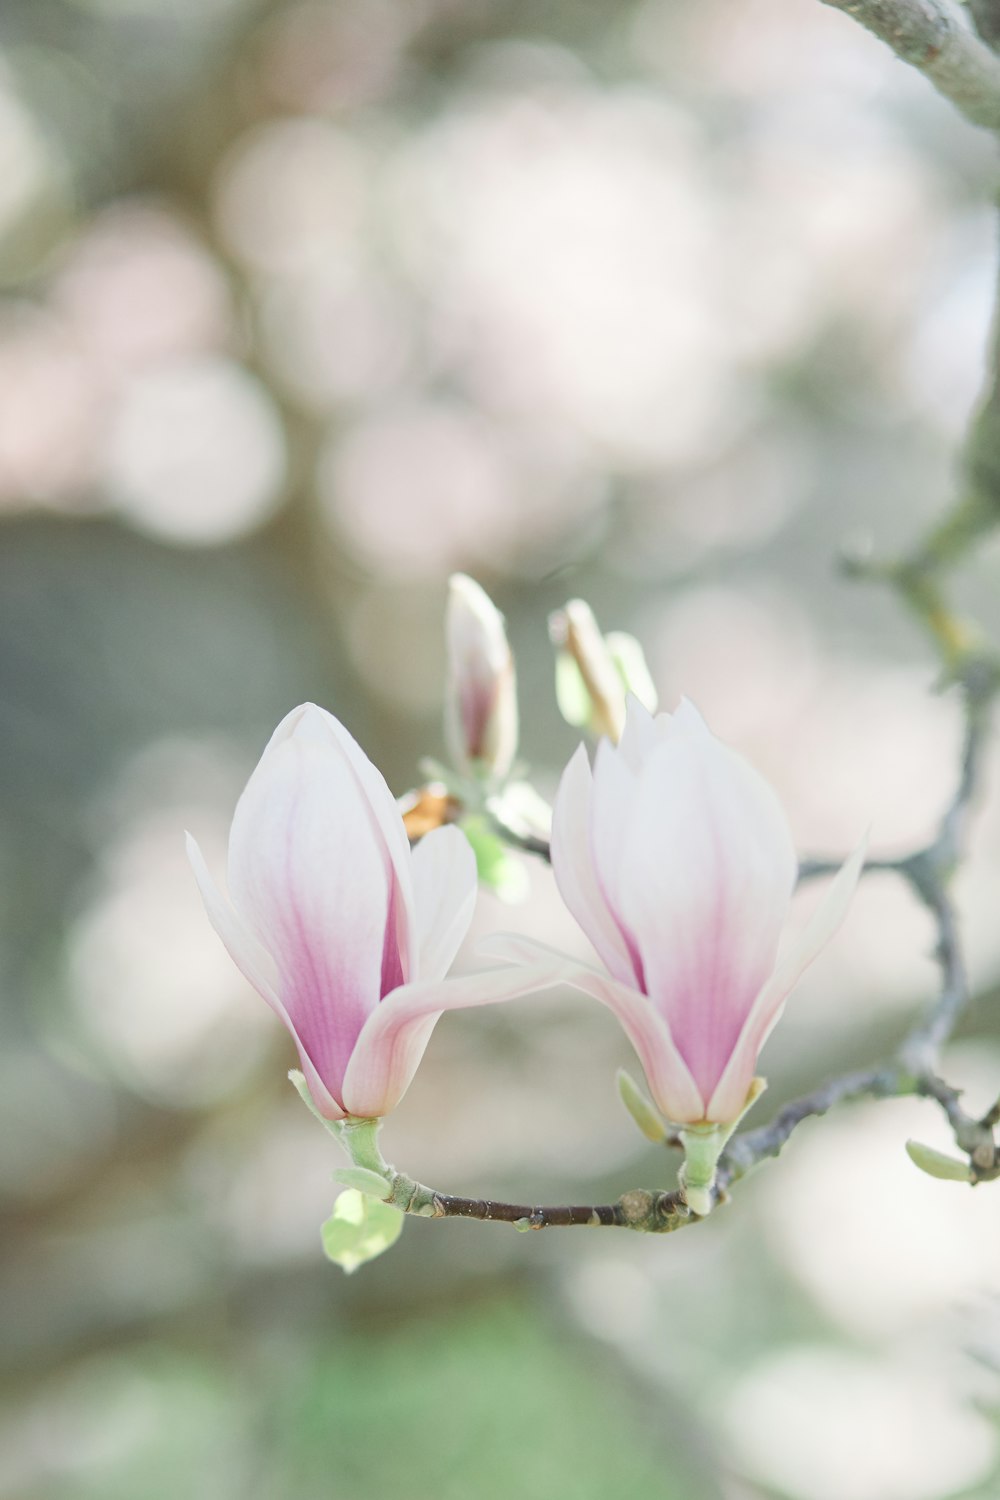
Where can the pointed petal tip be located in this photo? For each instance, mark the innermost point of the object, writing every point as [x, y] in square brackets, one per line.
[462, 584]
[688, 716]
[290, 722]
[846, 878]
[579, 755]
[469, 598]
[636, 711]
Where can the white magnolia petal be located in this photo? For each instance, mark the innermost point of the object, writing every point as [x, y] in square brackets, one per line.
[389, 821]
[705, 881]
[642, 733]
[727, 1099]
[614, 790]
[310, 723]
[670, 1082]
[394, 1037]
[253, 960]
[687, 720]
[573, 866]
[256, 965]
[444, 886]
[309, 874]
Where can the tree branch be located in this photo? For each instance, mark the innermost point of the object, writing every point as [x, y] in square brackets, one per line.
[528, 843]
[931, 36]
[642, 1209]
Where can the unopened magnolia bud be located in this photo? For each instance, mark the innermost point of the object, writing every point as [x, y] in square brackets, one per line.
[481, 699]
[594, 672]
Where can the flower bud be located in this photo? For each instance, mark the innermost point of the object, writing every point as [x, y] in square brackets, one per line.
[595, 672]
[640, 1108]
[481, 701]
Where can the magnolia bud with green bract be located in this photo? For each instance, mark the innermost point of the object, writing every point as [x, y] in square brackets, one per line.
[481, 702]
[595, 672]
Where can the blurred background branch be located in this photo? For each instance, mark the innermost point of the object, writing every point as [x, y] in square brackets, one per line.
[932, 36]
[986, 17]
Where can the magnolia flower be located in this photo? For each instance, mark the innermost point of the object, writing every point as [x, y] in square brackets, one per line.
[481, 699]
[345, 932]
[676, 859]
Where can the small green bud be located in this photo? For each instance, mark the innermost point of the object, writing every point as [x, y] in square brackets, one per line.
[937, 1164]
[641, 1109]
[359, 1229]
[298, 1082]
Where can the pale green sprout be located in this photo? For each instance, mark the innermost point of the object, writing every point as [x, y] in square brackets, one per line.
[937, 1164]
[642, 1109]
[359, 1229]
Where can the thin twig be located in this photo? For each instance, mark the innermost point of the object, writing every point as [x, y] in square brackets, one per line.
[913, 1069]
[649, 1212]
[528, 843]
[751, 1147]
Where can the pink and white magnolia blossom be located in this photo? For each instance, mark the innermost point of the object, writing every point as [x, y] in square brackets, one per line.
[345, 932]
[676, 859]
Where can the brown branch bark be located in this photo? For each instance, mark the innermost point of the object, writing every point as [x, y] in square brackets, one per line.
[647, 1211]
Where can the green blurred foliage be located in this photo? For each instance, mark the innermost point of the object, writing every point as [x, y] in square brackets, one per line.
[491, 1401]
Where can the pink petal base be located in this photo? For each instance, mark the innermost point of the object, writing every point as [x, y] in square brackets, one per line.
[393, 1039]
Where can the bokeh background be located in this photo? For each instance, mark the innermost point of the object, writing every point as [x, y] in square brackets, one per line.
[306, 303]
